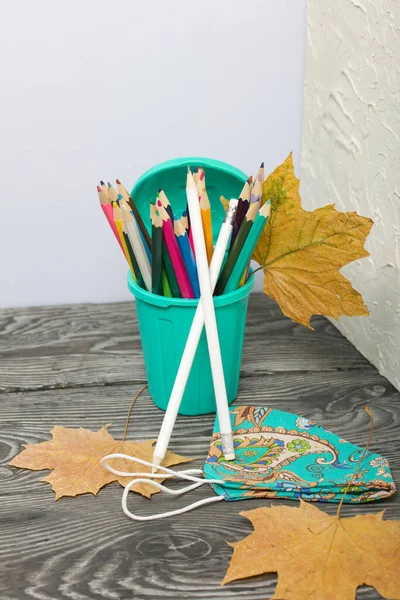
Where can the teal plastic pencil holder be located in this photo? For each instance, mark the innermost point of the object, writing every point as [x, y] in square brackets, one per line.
[164, 323]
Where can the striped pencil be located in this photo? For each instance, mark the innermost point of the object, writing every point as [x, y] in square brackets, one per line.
[175, 253]
[187, 254]
[236, 248]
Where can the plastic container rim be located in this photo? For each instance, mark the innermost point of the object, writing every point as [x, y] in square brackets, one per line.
[165, 301]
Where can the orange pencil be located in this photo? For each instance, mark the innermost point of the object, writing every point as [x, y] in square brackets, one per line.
[205, 211]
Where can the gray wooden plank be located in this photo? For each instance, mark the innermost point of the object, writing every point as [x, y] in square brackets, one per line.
[83, 345]
[86, 548]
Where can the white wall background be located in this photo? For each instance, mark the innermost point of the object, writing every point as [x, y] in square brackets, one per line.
[351, 152]
[98, 89]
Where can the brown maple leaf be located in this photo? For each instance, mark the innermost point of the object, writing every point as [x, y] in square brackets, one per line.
[301, 252]
[318, 556]
[74, 455]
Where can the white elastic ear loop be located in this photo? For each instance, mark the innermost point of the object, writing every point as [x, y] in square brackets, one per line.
[187, 474]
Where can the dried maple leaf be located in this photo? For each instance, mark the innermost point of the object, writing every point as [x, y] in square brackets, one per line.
[318, 556]
[75, 456]
[301, 252]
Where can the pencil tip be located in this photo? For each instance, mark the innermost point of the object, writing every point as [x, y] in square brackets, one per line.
[120, 196]
[159, 203]
[117, 181]
[262, 165]
[99, 188]
[109, 185]
[195, 169]
[159, 190]
[102, 183]
[250, 179]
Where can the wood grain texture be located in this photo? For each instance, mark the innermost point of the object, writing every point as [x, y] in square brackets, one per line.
[85, 547]
[56, 347]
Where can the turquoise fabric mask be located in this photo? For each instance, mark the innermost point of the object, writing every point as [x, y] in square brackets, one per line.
[281, 455]
[278, 455]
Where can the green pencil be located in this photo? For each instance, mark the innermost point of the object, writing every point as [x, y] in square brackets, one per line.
[248, 248]
[236, 249]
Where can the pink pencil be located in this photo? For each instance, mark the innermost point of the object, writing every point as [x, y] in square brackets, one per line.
[108, 211]
[175, 254]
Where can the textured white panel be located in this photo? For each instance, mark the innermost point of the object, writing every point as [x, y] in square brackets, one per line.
[351, 152]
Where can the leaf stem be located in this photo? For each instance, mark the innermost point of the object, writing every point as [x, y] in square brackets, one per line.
[260, 268]
[130, 411]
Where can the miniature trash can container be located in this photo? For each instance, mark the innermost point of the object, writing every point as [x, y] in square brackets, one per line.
[164, 323]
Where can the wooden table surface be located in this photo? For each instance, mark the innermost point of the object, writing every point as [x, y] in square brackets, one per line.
[80, 366]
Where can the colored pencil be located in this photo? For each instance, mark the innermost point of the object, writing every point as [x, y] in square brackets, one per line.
[248, 247]
[210, 319]
[192, 341]
[104, 188]
[175, 253]
[117, 218]
[242, 208]
[166, 204]
[156, 250]
[137, 276]
[166, 288]
[137, 247]
[126, 206]
[112, 193]
[108, 213]
[256, 192]
[196, 174]
[255, 198]
[187, 254]
[170, 273]
[205, 211]
[185, 220]
[122, 190]
[236, 248]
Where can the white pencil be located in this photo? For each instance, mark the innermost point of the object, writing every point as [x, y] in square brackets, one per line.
[137, 246]
[193, 340]
[210, 321]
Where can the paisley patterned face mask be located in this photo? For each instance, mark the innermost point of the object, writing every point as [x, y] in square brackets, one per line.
[278, 455]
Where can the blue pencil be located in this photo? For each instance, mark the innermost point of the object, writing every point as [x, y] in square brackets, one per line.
[187, 254]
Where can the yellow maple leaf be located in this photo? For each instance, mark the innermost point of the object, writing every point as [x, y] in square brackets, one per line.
[74, 455]
[301, 252]
[318, 556]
